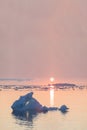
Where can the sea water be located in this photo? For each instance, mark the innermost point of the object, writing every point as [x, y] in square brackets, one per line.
[74, 119]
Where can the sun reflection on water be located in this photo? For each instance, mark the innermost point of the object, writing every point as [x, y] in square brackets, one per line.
[51, 96]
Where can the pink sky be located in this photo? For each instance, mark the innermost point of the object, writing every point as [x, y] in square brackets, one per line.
[40, 39]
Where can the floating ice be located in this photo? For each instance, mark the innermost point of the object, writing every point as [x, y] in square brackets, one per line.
[63, 108]
[29, 104]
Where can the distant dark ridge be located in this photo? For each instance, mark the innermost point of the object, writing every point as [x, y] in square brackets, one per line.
[14, 79]
[63, 84]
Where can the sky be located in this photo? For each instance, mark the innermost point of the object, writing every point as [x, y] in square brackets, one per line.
[40, 39]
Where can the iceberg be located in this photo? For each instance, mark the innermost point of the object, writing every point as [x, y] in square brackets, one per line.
[29, 104]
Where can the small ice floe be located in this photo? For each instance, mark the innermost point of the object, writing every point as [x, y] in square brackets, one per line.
[53, 108]
[63, 109]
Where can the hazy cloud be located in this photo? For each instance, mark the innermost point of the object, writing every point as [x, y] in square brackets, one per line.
[43, 38]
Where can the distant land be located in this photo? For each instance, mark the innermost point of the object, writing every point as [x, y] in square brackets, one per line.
[21, 84]
[14, 79]
[64, 84]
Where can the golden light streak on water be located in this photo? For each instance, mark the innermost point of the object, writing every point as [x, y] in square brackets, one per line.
[51, 96]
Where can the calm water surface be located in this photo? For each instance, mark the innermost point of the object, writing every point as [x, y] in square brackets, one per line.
[75, 119]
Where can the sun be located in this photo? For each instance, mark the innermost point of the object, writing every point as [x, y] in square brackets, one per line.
[52, 79]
